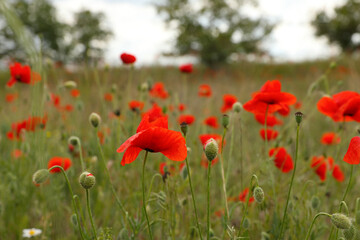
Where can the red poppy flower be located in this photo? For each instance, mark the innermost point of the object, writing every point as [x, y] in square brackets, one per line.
[352, 155]
[271, 134]
[16, 153]
[211, 122]
[204, 90]
[186, 68]
[338, 174]
[229, 100]
[341, 106]
[298, 105]
[188, 119]
[69, 108]
[20, 74]
[133, 105]
[320, 165]
[65, 163]
[243, 196]
[75, 93]
[330, 138]
[10, 97]
[269, 97]
[163, 168]
[270, 122]
[108, 97]
[284, 111]
[56, 100]
[153, 136]
[29, 124]
[127, 58]
[158, 91]
[206, 137]
[154, 113]
[282, 159]
[181, 107]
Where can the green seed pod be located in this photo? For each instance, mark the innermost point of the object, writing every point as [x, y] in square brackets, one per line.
[259, 194]
[211, 149]
[237, 107]
[94, 119]
[340, 221]
[349, 234]
[184, 128]
[40, 176]
[73, 220]
[225, 120]
[87, 180]
[73, 140]
[246, 223]
[315, 202]
[70, 84]
[299, 117]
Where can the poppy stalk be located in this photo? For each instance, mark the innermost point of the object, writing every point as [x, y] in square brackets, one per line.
[143, 194]
[223, 175]
[298, 117]
[90, 214]
[208, 201]
[313, 221]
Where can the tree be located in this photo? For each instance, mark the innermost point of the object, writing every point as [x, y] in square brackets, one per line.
[341, 28]
[90, 35]
[215, 30]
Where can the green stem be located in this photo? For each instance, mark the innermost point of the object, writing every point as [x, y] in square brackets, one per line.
[223, 176]
[143, 194]
[208, 201]
[192, 196]
[313, 221]
[81, 155]
[72, 198]
[291, 182]
[90, 214]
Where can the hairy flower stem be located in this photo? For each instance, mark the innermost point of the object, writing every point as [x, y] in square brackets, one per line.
[112, 186]
[192, 196]
[223, 176]
[90, 214]
[72, 198]
[208, 201]
[292, 180]
[313, 221]
[143, 195]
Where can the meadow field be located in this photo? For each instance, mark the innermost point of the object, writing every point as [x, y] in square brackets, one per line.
[46, 124]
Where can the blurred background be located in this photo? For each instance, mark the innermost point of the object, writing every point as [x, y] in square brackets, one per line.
[172, 32]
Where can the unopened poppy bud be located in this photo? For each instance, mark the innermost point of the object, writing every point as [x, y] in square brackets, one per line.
[73, 140]
[237, 107]
[315, 202]
[349, 234]
[225, 121]
[184, 128]
[144, 87]
[87, 180]
[299, 117]
[70, 84]
[73, 220]
[340, 221]
[95, 119]
[211, 149]
[40, 176]
[259, 194]
[246, 223]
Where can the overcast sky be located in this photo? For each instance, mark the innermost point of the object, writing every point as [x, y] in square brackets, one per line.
[139, 30]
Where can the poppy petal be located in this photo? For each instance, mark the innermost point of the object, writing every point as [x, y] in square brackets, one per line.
[352, 155]
[130, 155]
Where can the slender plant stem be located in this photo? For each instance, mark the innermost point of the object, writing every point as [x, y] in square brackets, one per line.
[90, 214]
[72, 198]
[208, 201]
[143, 195]
[192, 196]
[313, 221]
[112, 186]
[223, 176]
[291, 182]
[81, 155]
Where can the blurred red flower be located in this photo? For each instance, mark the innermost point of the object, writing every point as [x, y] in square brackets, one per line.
[186, 68]
[20, 74]
[270, 97]
[322, 165]
[127, 58]
[188, 119]
[352, 155]
[271, 134]
[228, 100]
[270, 122]
[63, 162]
[338, 174]
[29, 124]
[10, 97]
[330, 138]
[282, 159]
[211, 122]
[158, 91]
[136, 105]
[108, 97]
[343, 106]
[243, 196]
[181, 107]
[204, 90]
[75, 93]
[154, 136]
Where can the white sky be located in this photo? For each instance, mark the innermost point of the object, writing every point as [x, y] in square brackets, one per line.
[140, 31]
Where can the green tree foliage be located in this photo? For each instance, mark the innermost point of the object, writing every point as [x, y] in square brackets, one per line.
[340, 28]
[215, 29]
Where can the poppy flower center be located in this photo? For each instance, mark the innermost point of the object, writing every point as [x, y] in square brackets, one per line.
[149, 150]
[18, 77]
